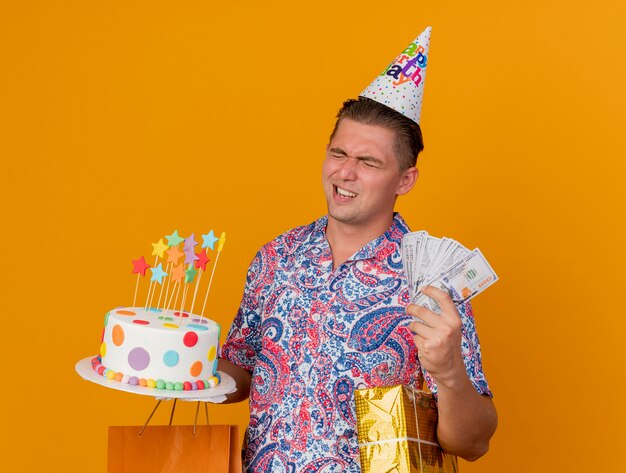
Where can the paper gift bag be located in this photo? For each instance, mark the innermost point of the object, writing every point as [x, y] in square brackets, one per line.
[397, 430]
[174, 448]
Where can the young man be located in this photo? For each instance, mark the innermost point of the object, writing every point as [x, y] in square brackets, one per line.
[325, 312]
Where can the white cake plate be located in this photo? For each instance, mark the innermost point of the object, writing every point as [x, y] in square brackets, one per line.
[215, 395]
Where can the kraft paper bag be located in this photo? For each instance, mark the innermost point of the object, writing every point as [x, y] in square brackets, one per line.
[174, 448]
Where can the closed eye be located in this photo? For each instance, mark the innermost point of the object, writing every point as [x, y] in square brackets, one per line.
[371, 163]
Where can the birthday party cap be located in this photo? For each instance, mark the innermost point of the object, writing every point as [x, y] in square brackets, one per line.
[401, 85]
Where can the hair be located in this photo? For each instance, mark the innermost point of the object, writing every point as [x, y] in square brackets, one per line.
[408, 141]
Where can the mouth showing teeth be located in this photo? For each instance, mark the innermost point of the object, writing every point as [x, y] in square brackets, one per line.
[344, 193]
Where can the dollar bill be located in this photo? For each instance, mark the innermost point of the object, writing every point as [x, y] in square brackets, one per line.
[465, 279]
[428, 258]
[411, 252]
[452, 253]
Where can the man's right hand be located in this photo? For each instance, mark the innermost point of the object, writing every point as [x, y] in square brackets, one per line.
[242, 380]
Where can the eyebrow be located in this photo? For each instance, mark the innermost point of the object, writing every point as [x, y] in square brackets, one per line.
[365, 158]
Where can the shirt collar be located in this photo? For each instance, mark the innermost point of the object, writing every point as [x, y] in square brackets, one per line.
[393, 236]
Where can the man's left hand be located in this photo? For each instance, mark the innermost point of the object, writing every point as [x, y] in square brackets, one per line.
[438, 339]
[467, 420]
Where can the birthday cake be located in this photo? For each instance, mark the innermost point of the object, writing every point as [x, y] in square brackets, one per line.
[162, 345]
[162, 349]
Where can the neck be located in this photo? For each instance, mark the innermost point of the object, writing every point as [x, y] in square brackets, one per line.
[346, 239]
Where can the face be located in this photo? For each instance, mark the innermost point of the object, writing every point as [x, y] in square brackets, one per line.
[361, 175]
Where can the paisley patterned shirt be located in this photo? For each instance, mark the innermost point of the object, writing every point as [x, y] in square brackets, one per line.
[311, 335]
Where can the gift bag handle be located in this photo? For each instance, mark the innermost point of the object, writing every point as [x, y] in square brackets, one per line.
[417, 427]
[195, 422]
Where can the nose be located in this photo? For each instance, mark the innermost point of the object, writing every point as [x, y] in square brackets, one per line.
[347, 171]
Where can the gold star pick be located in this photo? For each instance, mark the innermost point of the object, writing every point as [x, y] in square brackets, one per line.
[159, 248]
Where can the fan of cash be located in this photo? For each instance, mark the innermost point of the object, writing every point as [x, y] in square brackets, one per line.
[445, 264]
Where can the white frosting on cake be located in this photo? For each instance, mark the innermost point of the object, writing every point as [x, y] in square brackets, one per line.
[160, 345]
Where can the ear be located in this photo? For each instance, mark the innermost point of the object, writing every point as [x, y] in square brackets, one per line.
[407, 180]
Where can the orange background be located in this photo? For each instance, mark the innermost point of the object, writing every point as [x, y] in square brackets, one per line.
[125, 120]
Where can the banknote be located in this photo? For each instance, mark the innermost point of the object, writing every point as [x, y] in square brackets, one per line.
[412, 244]
[444, 263]
[465, 279]
[453, 252]
[427, 261]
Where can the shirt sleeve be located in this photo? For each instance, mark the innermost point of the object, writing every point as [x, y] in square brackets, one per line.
[243, 342]
[470, 348]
